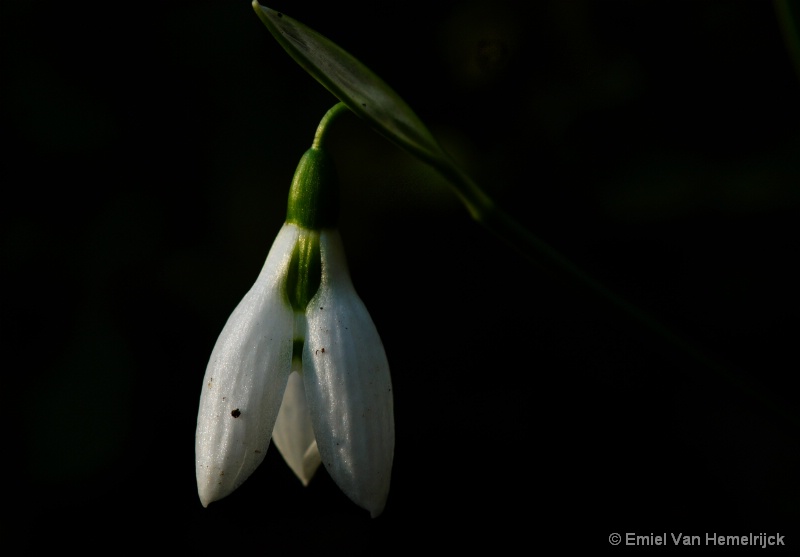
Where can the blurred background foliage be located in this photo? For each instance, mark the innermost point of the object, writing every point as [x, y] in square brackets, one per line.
[148, 151]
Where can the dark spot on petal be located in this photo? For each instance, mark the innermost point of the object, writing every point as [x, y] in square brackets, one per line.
[323, 350]
[235, 413]
[280, 14]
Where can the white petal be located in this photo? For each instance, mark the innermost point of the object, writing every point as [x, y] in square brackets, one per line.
[348, 386]
[293, 434]
[245, 380]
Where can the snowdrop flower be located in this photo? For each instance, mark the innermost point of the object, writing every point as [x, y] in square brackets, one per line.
[300, 361]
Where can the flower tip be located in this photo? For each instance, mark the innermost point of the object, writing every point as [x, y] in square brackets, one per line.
[210, 490]
[204, 501]
[376, 510]
[206, 498]
[372, 504]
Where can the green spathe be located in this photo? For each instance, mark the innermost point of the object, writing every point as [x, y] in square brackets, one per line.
[314, 195]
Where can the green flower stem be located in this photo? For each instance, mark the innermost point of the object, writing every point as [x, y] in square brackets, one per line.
[324, 124]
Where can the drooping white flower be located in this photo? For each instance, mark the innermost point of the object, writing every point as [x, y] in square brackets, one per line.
[300, 361]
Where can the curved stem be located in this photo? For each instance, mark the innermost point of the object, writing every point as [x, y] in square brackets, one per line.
[327, 120]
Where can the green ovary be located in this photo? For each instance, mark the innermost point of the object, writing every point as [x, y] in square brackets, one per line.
[305, 271]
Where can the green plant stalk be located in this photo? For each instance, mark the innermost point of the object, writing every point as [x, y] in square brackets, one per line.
[325, 123]
[371, 99]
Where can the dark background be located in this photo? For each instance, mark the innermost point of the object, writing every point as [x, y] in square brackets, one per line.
[147, 154]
